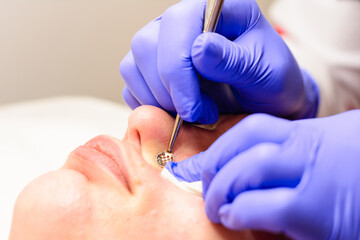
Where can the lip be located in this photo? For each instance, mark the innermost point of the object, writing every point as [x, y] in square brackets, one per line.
[106, 154]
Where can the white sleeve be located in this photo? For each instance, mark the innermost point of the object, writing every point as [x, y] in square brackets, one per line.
[324, 36]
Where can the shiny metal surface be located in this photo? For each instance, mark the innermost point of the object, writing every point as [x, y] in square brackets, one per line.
[164, 157]
[212, 14]
[177, 125]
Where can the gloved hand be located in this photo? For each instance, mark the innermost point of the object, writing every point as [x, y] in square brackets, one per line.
[246, 67]
[300, 178]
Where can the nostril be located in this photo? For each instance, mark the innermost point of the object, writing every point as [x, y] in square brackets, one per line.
[150, 128]
[133, 135]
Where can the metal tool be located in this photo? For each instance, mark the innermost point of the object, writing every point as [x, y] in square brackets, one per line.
[211, 18]
[164, 157]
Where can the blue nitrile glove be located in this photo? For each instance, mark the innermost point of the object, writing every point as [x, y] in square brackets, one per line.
[247, 67]
[301, 178]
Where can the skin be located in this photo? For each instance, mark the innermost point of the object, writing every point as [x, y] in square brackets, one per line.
[112, 189]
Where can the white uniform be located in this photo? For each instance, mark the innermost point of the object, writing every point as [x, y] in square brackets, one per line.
[324, 36]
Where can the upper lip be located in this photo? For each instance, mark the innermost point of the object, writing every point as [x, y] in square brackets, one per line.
[106, 153]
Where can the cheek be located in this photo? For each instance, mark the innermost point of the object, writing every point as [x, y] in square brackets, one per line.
[190, 141]
[55, 204]
[161, 211]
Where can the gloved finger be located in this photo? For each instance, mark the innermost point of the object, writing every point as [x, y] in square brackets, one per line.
[239, 65]
[135, 81]
[252, 130]
[180, 25]
[189, 171]
[259, 209]
[237, 17]
[219, 59]
[266, 165]
[129, 99]
[144, 49]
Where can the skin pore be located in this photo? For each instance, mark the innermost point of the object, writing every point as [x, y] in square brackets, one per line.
[112, 189]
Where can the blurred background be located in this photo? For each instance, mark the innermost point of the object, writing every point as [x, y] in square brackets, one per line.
[55, 48]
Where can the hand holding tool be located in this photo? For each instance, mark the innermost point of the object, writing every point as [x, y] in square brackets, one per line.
[211, 17]
[245, 67]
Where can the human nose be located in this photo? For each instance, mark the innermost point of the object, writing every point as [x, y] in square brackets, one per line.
[150, 128]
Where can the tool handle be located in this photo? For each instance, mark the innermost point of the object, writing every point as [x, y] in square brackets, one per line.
[178, 122]
[211, 18]
[212, 15]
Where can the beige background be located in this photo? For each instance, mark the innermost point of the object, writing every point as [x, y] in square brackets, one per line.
[62, 47]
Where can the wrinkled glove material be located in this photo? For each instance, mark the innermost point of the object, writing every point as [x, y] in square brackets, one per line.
[299, 177]
[245, 67]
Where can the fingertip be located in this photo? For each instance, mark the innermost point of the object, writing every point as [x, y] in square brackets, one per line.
[204, 45]
[208, 117]
[224, 212]
[205, 112]
[126, 64]
[207, 53]
[261, 209]
[187, 170]
[211, 211]
[170, 166]
[129, 99]
[210, 113]
[227, 219]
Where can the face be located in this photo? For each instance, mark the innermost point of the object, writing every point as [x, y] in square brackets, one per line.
[112, 189]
